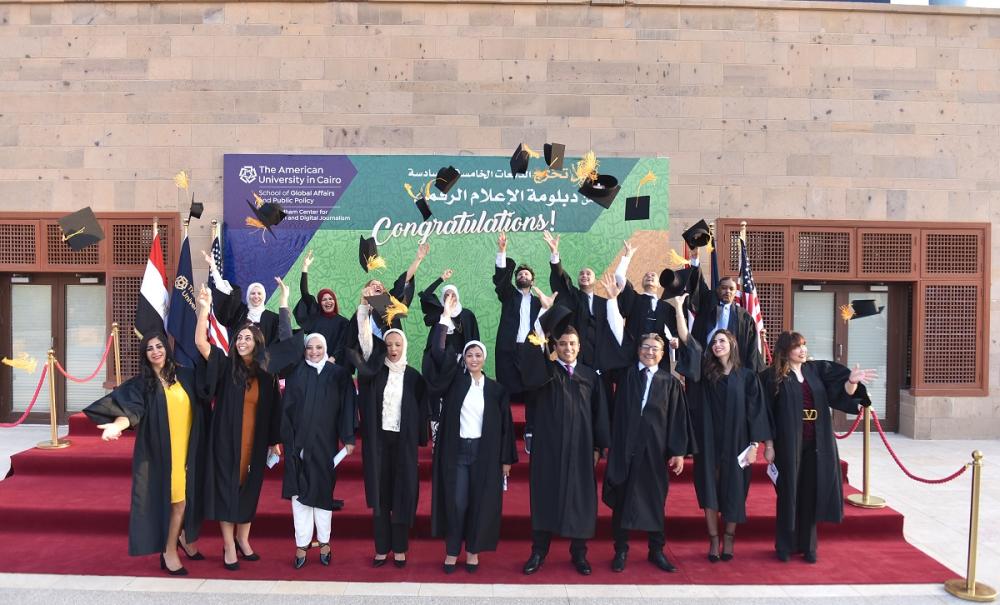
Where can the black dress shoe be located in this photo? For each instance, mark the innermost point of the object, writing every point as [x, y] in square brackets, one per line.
[230, 566]
[448, 568]
[180, 571]
[400, 563]
[810, 556]
[533, 563]
[472, 567]
[379, 562]
[324, 558]
[582, 566]
[657, 558]
[783, 556]
[300, 562]
[618, 563]
[195, 557]
[251, 557]
[728, 540]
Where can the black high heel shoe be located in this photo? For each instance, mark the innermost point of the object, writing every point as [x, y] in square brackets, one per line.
[300, 562]
[713, 548]
[173, 572]
[251, 557]
[324, 558]
[230, 566]
[729, 541]
[195, 557]
[400, 563]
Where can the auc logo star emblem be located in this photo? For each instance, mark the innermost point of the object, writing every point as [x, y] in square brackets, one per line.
[181, 283]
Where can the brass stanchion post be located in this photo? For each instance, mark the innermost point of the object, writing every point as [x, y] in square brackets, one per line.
[118, 353]
[967, 588]
[55, 442]
[865, 499]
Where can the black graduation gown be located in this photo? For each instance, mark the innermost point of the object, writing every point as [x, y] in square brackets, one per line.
[826, 379]
[642, 441]
[727, 415]
[310, 318]
[570, 422]
[466, 326]
[231, 311]
[225, 499]
[505, 346]
[403, 291]
[496, 448]
[149, 513]
[599, 349]
[317, 412]
[640, 319]
[705, 303]
[413, 432]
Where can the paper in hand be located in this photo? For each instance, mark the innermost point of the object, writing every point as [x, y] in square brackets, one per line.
[272, 459]
[743, 459]
[772, 473]
[505, 483]
[339, 457]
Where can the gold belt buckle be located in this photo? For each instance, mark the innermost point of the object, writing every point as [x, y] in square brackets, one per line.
[809, 414]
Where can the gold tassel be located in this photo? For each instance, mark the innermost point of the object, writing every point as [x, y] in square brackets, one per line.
[409, 191]
[252, 222]
[676, 261]
[22, 362]
[375, 262]
[586, 169]
[257, 200]
[394, 309]
[531, 152]
[649, 178]
[846, 312]
[181, 180]
[535, 339]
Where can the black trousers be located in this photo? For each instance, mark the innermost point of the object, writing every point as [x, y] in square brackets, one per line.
[802, 537]
[656, 539]
[468, 451]
[540, 541]
[388, 535]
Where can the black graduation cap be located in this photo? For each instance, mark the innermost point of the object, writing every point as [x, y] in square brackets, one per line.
[368, 255]
[555, 320]
[425, 210]
[637, 208]
[697, 235]
[81, 229]
[268, 214]
[197, 208]
[379, 303]
[865, 308]
[519, 161]
[555, 153]
[674, 283]
[601, 191]
[446, 179]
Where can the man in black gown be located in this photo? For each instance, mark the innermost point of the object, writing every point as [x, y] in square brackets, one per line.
[644, 312]
[518, 312]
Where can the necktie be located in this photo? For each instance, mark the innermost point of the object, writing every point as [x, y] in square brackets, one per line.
[569, 370]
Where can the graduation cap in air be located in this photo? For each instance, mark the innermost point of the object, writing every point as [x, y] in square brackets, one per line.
[267, 214]
[674, 283]
[519, 161]
[368, 255]
[637, 208]
[446, 179]
[423, 207]
[860, 308]
[81, 229]
[554, 155]
[602, 190]
[555, 320]
[387, 307]
[697, 235]
[196, 210]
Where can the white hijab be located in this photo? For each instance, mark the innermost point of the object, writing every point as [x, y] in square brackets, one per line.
[458, 301]
[319, 365]
[392, 396]
[254, 313]
[473, 343]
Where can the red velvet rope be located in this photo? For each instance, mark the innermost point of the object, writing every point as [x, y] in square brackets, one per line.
[41, 381]
[851, 430]
[878, 425]
[100, 365]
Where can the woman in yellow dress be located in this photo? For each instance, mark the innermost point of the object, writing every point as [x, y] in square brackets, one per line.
[168, 460]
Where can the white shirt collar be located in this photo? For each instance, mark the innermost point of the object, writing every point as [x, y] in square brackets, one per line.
[642, 367]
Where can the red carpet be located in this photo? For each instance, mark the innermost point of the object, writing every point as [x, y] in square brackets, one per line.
[66, 511]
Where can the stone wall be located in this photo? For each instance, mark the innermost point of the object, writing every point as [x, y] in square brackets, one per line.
[766, 109]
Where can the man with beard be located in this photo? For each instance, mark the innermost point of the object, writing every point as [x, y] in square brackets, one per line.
[518, 312]
[716, 310]
[598, 347]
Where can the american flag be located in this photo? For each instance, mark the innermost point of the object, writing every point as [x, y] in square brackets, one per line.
[217, 334]
[749, 301]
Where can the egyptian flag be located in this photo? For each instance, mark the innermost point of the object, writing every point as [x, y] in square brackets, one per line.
[151, 309]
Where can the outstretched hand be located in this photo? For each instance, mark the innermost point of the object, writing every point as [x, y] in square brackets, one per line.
[502, 242]
[208, 259]
[447, 274]
[204, 299]
[283, 291]
[677, 302]
[610, 286]
[628, 250]
[450, 304]
[545, 300]
[862, 376]
[111, 431]
[308, 260]
[553, 242]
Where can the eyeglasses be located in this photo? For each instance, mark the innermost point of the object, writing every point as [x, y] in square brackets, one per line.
[651, 348]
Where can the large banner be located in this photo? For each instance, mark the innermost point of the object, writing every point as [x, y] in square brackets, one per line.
[333, 200]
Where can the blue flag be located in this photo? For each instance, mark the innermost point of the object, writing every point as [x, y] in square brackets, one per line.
[183, 317]
[715, 267]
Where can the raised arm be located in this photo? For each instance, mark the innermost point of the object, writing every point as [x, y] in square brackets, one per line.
[615, 320]
[201, 329]
[677, 303]
[504, 272]
[284, 316]
[422, 250]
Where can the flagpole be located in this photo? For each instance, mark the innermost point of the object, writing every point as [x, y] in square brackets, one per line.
[185, 223]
